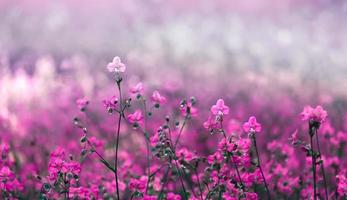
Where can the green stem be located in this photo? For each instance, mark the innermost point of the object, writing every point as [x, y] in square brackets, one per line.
[259, 166]
[313, 169]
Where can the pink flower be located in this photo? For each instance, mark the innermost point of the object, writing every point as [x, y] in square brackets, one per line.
[252, 125]
[148, 197]
[156, 97]
[211, 123]
[172, 196]
[341, 183]
[294, 138]
[185, 154]
[317, 114]
[116, 65]
[110, 104]
[139, 185]
[6, 174]
[220, 108]
[71, 167]
[135, 117]
[137, 89]
[82, 103]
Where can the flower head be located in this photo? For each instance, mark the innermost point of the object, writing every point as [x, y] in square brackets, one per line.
[82, 103]
[116, 65]
[135, 117]
[252, 125]
[110, 104]
[137, 89]
[156, 97]
[220, 108]
[317, 114]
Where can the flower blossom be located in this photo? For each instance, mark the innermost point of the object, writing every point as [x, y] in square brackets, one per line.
[116, 65]
[220, 108]
[137, 89]
[82, 103]
[252, 125]
[156, 97]
[317, 114]
[135, 117]
[110, 104]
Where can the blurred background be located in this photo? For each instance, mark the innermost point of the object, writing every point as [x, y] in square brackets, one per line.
[250, 52]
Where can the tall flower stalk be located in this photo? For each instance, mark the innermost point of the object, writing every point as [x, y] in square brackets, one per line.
[315, 117]
[117, 67]
[121, 114]
[252, 127]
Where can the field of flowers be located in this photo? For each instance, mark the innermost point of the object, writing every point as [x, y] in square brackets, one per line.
[195, 101]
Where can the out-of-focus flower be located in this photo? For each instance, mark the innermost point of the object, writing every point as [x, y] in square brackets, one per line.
[137, 89]
[138, 184]
[220, 108]
[110, 104]
[342, 183]
[116, 65]
[172, 196]
[317, 114]
[156, 97]
[294, 137]
[188, 108]
[252, 125]
[82, 103]
[135, 117]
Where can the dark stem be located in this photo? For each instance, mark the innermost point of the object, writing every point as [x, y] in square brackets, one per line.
[166, 180]
[313, 169]
[322, 167]
[198, 179]
[117, 138]
[237, 171]
[259, 166]
[232, 156]
[147, 145]
[181, 180]
[179, 134]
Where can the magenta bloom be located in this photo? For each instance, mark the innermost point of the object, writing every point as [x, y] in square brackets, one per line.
[156, 97]
[135, 117]
[116, 65]
[220, 108]
[317, 114]
[6, 174]
[82, 103]
[110, 103]
[172, 196]
[137, 89]
[252, 125]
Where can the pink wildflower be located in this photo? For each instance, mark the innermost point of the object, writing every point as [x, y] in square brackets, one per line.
[252, 125]
[220, 108]
[116, 65]
[82, 103]
[156, 97]
[137, 89]
[135, 117]
[317, 114]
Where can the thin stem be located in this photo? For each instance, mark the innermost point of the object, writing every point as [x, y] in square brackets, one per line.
[147, 145]
[322, 167]
[198, 179]
[165, 182]
[117, 139]
[237, 171]
[313, 169]
[181, 180]
[232, 155]
[259, 166]
[179, 134]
